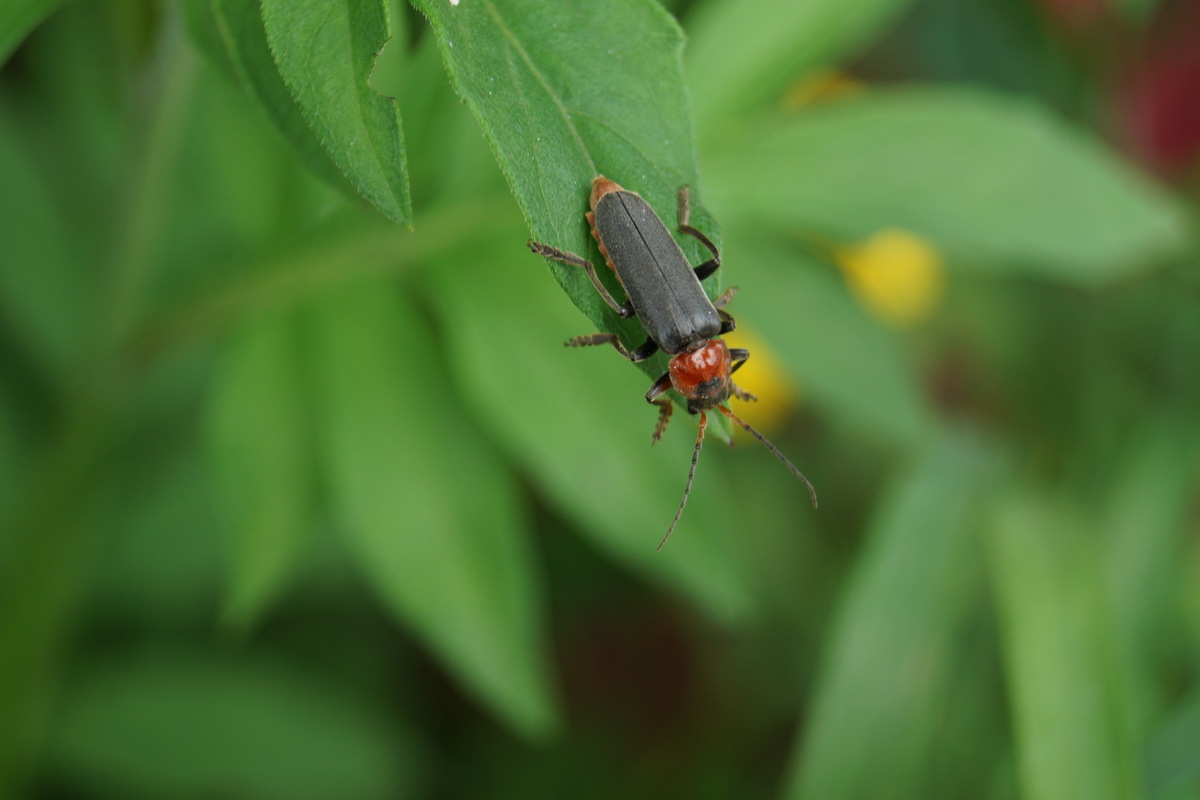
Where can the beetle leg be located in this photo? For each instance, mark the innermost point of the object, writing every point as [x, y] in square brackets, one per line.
[685, 216]
[740, 393]
[655, 396]
[598, 338]
[710, 266]
[739, 356]
[566, 257]
[647, 348]
[727, 322]
[664, 416]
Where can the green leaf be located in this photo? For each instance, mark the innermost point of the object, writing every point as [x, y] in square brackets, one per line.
[261, 461]
[1173, 751]
[993, 181]
[1058, 642]
[566, 91]
[325, 52]
[195, 725]
[14, 455]
[1148, 538]
[576, 421]
[205, 31]
[43, 277]
[163, 565]
[232, 31]
[897, 639]
[852, 367]
[428, 509]
[743, 51]
[17, 19]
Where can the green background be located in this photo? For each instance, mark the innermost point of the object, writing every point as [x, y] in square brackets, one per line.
[301, 496]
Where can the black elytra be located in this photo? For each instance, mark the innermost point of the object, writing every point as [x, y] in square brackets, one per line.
[662, 286]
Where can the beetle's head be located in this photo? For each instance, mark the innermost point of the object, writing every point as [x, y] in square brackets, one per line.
[702, 375]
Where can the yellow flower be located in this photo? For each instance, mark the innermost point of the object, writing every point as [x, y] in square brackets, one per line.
[896, 275]
[820, 87]
[762, 376]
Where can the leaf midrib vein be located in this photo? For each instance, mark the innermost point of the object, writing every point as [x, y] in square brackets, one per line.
[516, 45]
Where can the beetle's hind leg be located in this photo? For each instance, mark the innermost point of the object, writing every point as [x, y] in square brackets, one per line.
[570, 259]
[685, 216]
[647, 348]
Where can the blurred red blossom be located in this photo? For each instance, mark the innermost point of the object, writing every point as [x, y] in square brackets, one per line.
[1158, 99]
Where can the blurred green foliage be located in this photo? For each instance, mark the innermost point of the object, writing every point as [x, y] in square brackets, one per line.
[296, 501]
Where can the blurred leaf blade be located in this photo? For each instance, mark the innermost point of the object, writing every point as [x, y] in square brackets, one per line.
[205, 31]
[165, 565]
[996, 183]
[262, 462]
[568, 91]
[45, 306]
[1058, 643]
[232, 31]
[740, 51]
[173, 724]
[325, 53]
[853, 367]
[1148, 533]
[460, 574]
[17, 19]
[1172, 752]
[889, 657]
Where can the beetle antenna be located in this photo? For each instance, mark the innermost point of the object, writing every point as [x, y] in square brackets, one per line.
[691, 474]
[774, 450]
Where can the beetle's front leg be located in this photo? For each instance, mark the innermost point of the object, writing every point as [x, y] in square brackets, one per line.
[741, 394]
[655, 396]
[739, 356]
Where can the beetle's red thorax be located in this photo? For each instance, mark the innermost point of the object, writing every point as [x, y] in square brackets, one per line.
[702, 375]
